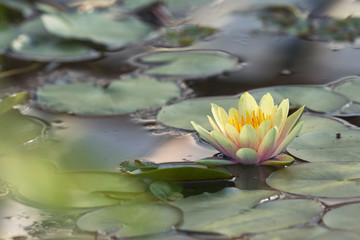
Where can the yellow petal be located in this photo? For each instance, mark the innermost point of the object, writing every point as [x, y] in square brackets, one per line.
[228, 147]
[247, 102]
[247, 156]
[263, 129]
[290, 123]
[284, 107]
[267, 145]
[249, 137]
[267, 104]
[293, 133]
[213, 124]
[233, 134]
[218, 119]
[204, 134]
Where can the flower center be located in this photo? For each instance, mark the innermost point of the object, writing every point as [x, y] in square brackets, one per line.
[254, 119]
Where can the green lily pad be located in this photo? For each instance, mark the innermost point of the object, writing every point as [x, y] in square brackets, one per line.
[187, 64]
[182, 172]
[350, 87]
[206, 208]
[120, 97]
[322, 179]
[331, 145]
[79, 189]
[90, 26]
[205, 212]
[317, 123]
[6, 37]
[313, 233]
[131, 220]
[17, 130]
[351, 109]
[315, 98]
[345, 217]
[35, 43]
[8, 103]
[45, 47]
[184, 35]
[180, 114]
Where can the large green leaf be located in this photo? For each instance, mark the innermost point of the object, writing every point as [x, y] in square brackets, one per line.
[97, 27]
[79, 189]
[350, 87]
[131, 220]
[180, 114]
[317, 123]
[311, 233]
[323, 179]
[35, 43]
[6, 37]
[182, 172]
[345, 217]
[187, 64]
[8, 103]
[231, 212]
[18, 130]
[331, 145]
[315, 98]
[120, 97]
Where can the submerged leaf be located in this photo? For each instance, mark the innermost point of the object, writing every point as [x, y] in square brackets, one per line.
[8, 103]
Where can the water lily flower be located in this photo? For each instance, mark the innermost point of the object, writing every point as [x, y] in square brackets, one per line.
[253, 134]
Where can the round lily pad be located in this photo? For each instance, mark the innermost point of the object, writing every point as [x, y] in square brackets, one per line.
[17, 130]
[238, 214]
[313, 123]
[313, 233]
[322, 179]
[6, 37]
[45, 47]
[120, 97]
[180, 114]
[35, 43]
[203, 209]
[79, 189]
[350, 87]
[131, 220]
[332, 145]
[186, 64]
[345, 217]
[97, 27]
[351, 109]
[315, 98]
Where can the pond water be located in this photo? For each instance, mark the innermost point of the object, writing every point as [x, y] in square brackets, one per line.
[84, 136]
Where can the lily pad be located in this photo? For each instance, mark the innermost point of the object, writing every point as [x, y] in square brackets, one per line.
[35, 43]
[80, 189]
[180, 114]
[350, 87]
[351, 109]
[345, 217]
[120, 97]
[8, 103]
[331, 145]
[187, 64]
[6, 37]
[18, 130]
[323, 179]
[131, 220]
[315, 98]
[182, 172]
[202, 212]
[314, 123]
[313, 233]
[45, 47]
[117, 33]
